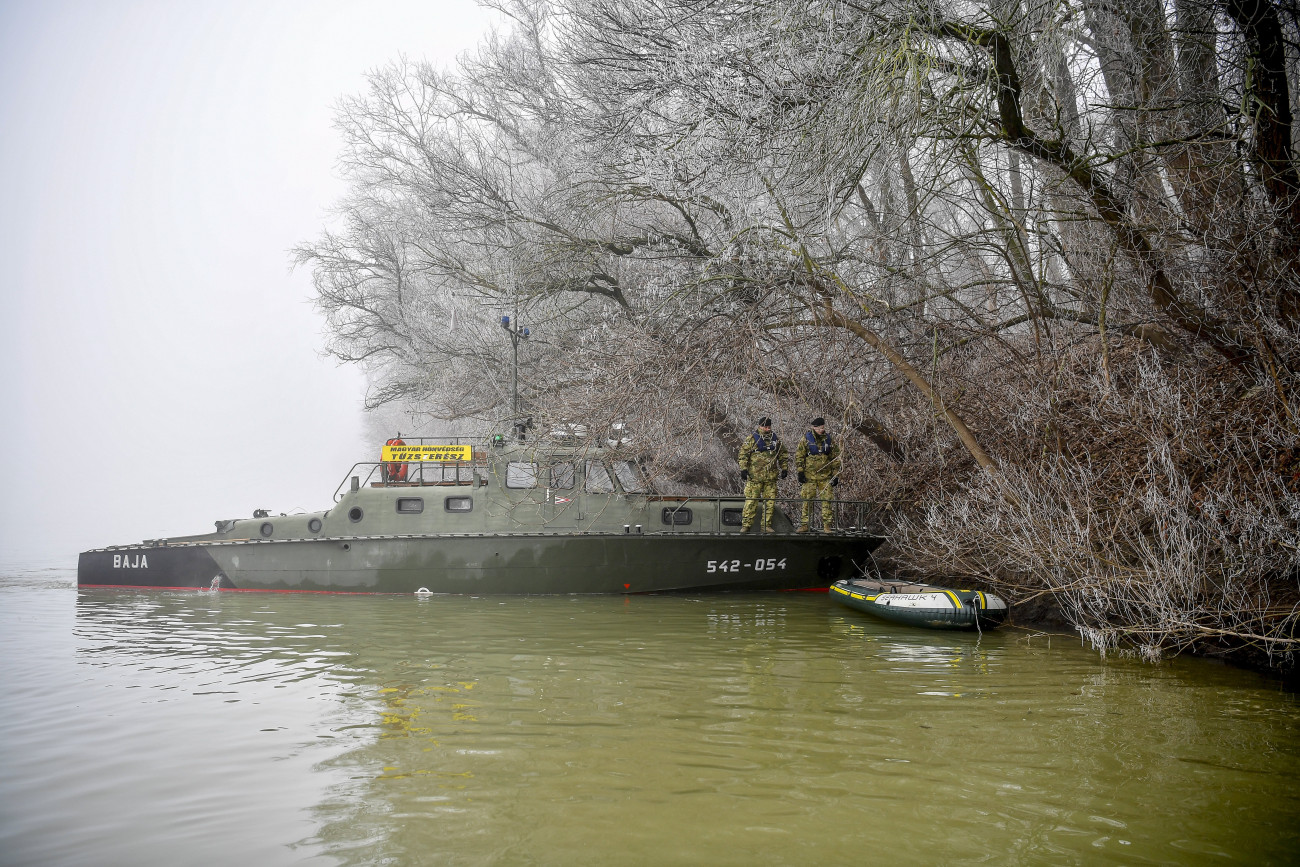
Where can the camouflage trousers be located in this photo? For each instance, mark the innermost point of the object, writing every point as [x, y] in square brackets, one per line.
[817, 489]
[755, 490]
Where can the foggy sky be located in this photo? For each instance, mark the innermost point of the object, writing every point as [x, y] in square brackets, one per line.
[160, 363]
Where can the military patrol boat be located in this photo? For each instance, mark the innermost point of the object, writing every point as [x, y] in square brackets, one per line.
[496, 517]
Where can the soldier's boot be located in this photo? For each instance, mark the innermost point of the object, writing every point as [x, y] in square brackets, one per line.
[803, 528]
[769, 530]
[744, 528]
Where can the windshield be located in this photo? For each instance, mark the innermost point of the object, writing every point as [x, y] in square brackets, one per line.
[598, 480]
[521, 475]
[629, 476]
[562, 476]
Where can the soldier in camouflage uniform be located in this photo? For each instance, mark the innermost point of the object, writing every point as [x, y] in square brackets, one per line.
[817, 460]
[762, 460]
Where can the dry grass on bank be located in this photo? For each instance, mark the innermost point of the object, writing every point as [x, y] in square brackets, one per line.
[1158, 512]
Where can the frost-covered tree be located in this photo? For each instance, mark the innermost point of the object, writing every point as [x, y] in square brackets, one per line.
[1039, 260]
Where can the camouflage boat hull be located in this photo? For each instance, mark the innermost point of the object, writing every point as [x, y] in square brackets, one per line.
[513, 563]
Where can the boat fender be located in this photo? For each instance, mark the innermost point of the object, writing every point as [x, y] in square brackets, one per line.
[395, 470]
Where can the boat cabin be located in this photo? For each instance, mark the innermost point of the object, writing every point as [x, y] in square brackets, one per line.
[495, 487]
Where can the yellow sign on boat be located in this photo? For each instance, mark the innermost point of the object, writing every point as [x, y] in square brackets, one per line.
[414, 454]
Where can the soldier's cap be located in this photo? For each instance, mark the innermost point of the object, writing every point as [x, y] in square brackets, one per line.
[764, 422]
[819, 422]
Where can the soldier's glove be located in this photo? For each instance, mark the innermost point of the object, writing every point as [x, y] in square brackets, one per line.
[744, 475]
[835, 482]
[803, 478]
[785, 473]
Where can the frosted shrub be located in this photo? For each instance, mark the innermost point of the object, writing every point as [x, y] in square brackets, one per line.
[1162, 536]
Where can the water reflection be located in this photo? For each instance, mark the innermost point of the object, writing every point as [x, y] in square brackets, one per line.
[728, 729]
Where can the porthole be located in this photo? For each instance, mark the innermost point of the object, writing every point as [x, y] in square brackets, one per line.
[410, 505]
[355, 514]
[458, 504]
[268, 528]
[677, 516]
[314, 525]
[731, 517]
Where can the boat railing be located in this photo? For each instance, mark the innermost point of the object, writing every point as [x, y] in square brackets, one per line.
[851, 517]
[354, 479]
[426, 473]
[420, 474]
[477, 442]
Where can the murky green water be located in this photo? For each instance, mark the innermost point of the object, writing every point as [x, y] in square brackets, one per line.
[192, 728]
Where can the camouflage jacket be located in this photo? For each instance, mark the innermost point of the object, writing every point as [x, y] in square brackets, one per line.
[818, 467]
[764, 457]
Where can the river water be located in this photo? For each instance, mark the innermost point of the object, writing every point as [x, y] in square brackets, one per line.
[142, 728]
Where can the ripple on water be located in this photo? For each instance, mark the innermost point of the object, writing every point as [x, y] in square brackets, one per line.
[227, 727]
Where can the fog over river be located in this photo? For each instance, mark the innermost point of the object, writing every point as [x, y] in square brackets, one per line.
[158, 358]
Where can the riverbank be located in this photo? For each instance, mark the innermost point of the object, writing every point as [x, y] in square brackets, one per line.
[1036, 611]
[1155, 513]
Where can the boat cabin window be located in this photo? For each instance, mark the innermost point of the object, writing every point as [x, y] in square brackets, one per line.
[410, 505]
[731, 517]
[562, 476]
[677, 516]
[448, 473]
[598, 480]
[629, 476]
[458, 504]
[521, 475]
